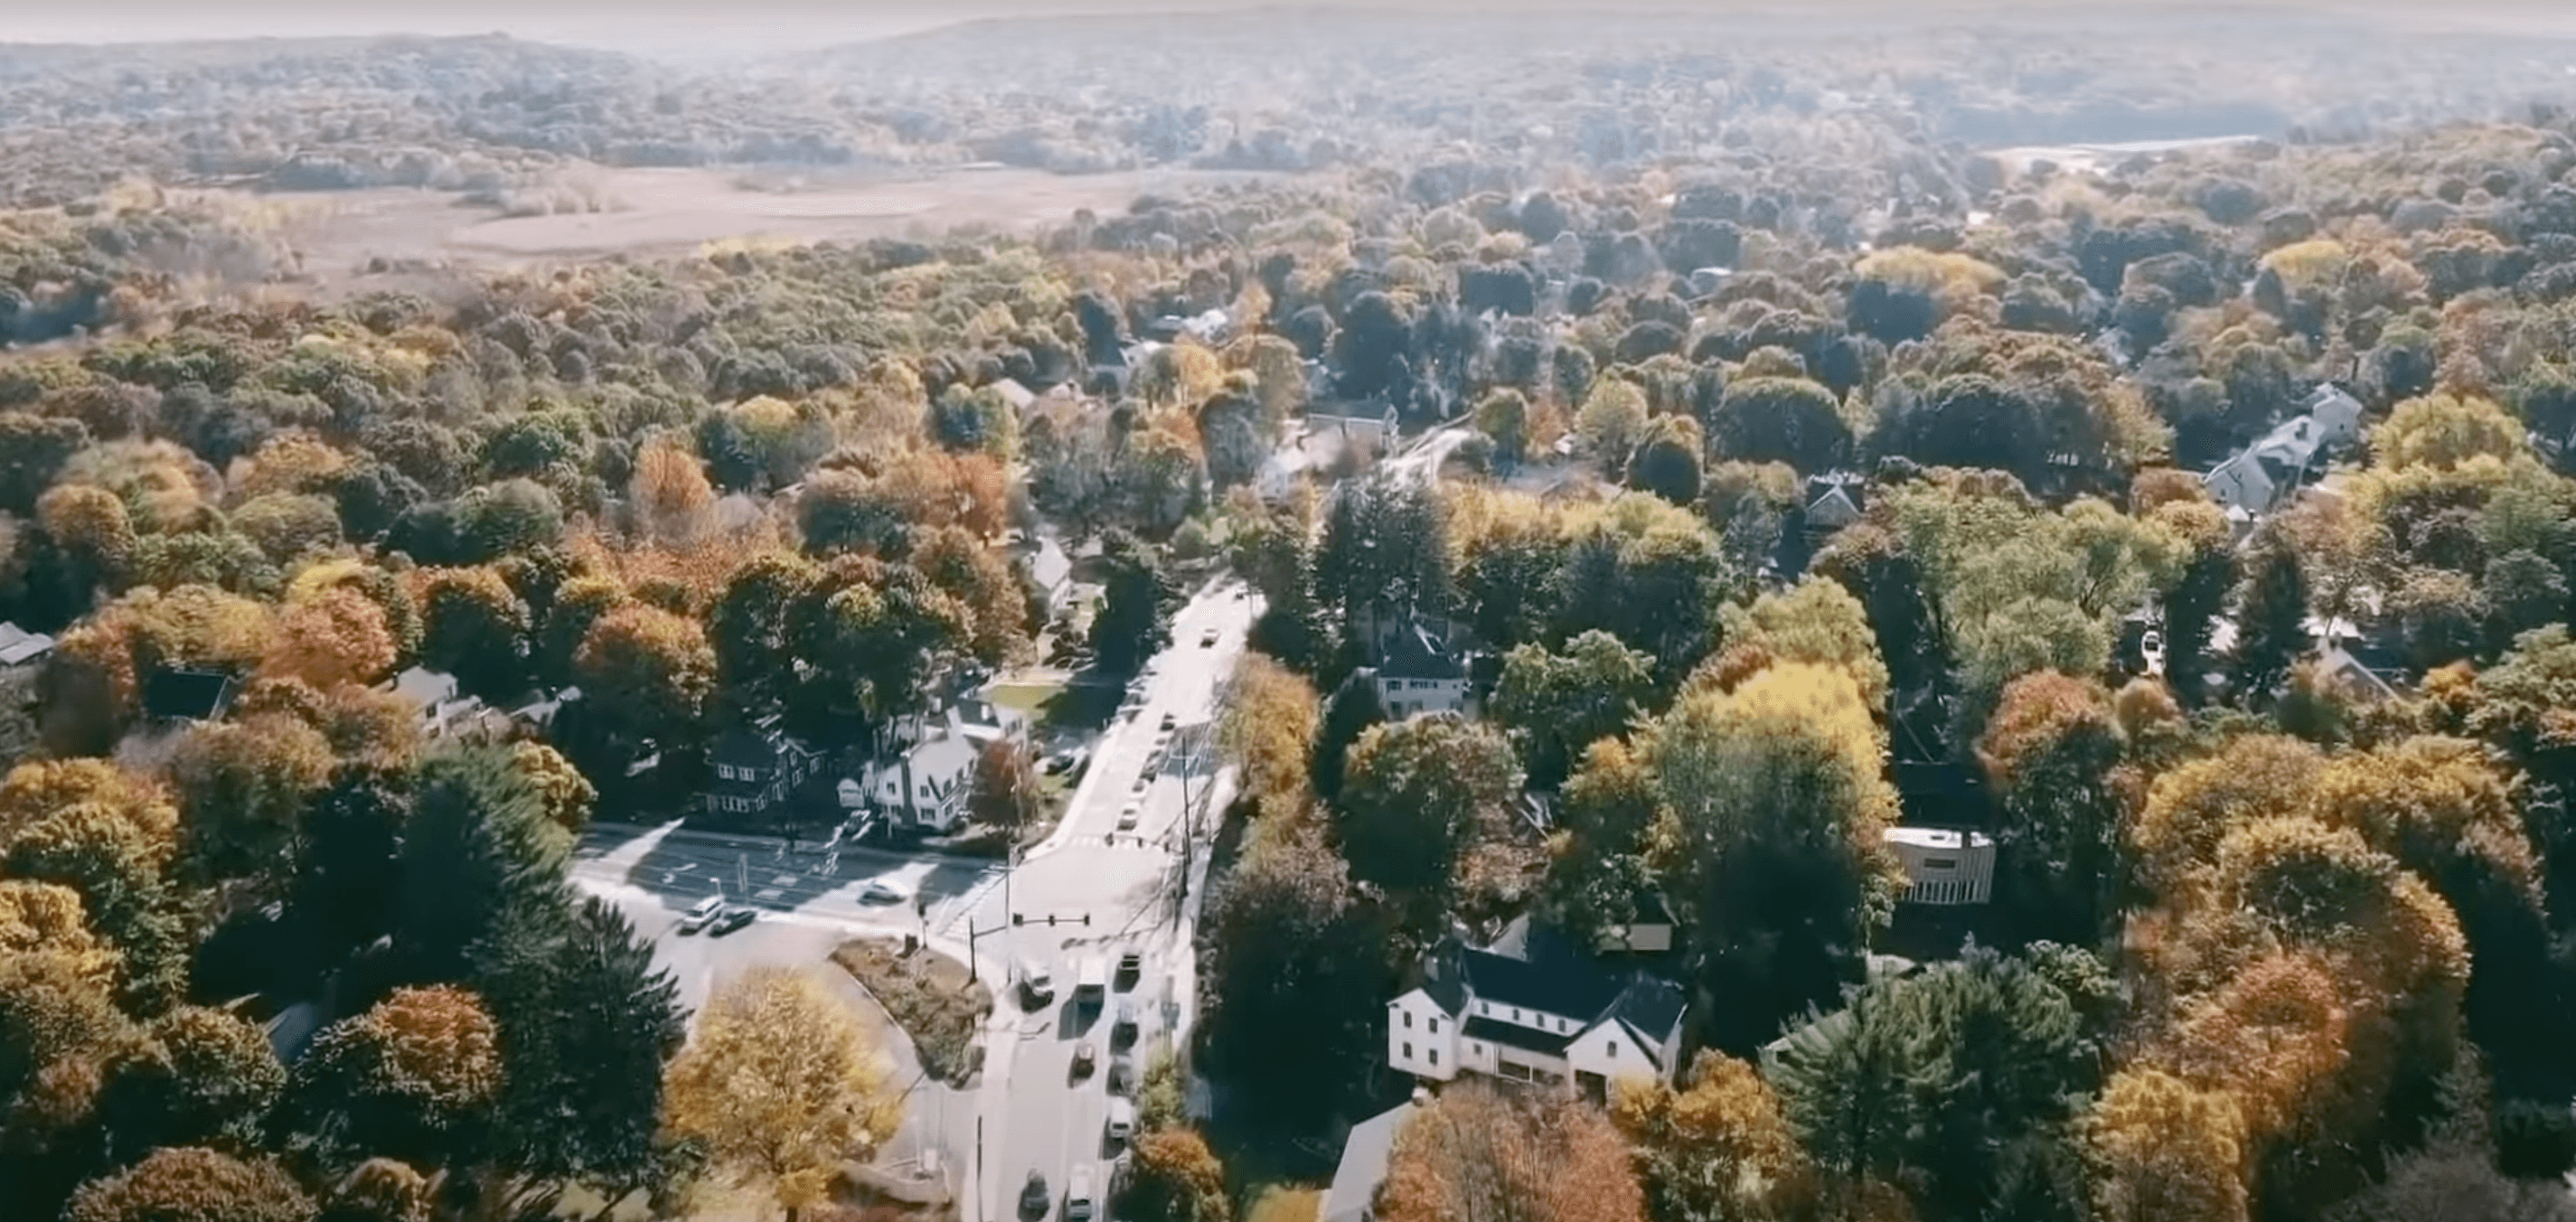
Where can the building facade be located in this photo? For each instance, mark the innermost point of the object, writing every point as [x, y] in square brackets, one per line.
[1531, 1008]
[1944, 866]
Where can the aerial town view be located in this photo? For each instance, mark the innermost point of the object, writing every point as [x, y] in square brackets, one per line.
[1059, 611]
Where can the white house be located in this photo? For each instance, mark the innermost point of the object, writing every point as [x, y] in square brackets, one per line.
[1533, 1008]
[925, 787]
[19, 646]
[1353, 1196]
[1943, 865]
[1417, 674]
[2258, 479]
[444, 710]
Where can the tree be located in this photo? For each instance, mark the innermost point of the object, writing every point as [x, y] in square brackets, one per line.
[780, 1084]
[2271, 616]
[1667, 460]
[586, 1023]
[669, 491]
[1612, 421]
[44, 918]
[192, 1184]
[838, 511]
[32, 450]
[1385, 548]
[204, 1077]
[1601, 866]
[244, 786]
[381, 1190]
[348, 869]
[1778, 798]
[416, 1077]
[749, 626]
[1556, 704]
[1477, 1154]
[337, 636]
[2191, 808]
[475, 627]
[1005, 793]
[1416, 797]
[1504, 416]
[2444, 431]
[1172, 1176]
[1814, 621]
[479, 864]
[651, 669]
[1293, 970]
[1349, 714]
[1136, 601]
[116, 866]
[1783, 420]
[1718, 1148]
[2049, 752]
[2166, 1152]
[1269, 725]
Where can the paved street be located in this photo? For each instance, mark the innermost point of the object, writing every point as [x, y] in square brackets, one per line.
[1107, 889]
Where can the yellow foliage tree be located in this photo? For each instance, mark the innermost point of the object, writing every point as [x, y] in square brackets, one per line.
[36, 791]
[1268, 728]
[1815, 621]
[780, 1084]
[669, 491]
[337, 636]
[2445, 432]
[1719, 1148]
[2165, 1151]
[1475, 1153]
[49, 919]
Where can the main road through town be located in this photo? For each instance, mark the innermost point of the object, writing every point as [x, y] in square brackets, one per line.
[1091, 889]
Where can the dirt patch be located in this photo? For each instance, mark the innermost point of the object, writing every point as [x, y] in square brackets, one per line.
[930, 996]
[596, 212]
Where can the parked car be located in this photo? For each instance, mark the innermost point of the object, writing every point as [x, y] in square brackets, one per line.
[700, 914]
[1127, 818]
[1085, 1059]
[1122, 1075]
[734, 917]
[1122, 1120]
[1207, 639]
[1131, 964]
[1078, 1206]
[1037, 983]
[1034, 1196]
[1169, 722]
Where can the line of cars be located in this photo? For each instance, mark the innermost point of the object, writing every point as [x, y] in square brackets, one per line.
[1096, 984]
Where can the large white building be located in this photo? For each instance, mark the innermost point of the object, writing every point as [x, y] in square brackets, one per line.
[1944, 865]
[1533, 1008]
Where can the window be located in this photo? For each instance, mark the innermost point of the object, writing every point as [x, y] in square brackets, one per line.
[1408, 1020]
[724, 772]
[1516, 1014]
[1940, 863]
[1435, 1056]
[1408, 1052]
[1614, 1048]
[1435, 1026]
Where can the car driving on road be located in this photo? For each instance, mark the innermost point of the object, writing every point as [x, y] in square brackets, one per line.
[701, 914]
[888, 891]
[1127, 818]
[1034, 1196]
[734, 917]
[1077, 1194]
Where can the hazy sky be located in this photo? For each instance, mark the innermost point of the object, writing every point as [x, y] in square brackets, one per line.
[673, 28]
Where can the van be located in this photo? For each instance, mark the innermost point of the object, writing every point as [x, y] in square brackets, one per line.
[1037, 982]
[1093, 983]
[700, 914]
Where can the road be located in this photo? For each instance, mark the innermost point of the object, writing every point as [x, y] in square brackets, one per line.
[1107, 889]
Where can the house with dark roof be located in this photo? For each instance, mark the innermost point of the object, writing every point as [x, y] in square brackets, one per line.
[187, 695]
[1417, 672]
[1534, 1007]
[2261, 477]
[755, 769]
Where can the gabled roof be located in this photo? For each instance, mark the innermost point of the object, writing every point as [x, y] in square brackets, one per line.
[1416, 654]
[1514, 1035]
[426, 687]
[18, 645]
[1533, 967]
[1363, 1165]
[195, 695]
[942, 755]
[755, 748]
[1650, 1007]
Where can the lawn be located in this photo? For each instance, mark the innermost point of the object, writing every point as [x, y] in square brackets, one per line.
[929, 996]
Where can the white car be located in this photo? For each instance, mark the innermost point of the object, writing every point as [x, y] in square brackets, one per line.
[1122, 1119]
[701, 914]
[1078, 1206]
[888, 891]
[1127, 818]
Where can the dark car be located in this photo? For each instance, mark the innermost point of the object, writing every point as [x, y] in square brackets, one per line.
[1122, 1029]
[1122, 1075]
[1131, 964]
[734, 917]
[1034, 1196]
[1084, 1057]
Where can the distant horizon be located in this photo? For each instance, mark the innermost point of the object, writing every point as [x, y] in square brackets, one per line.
[755, 27]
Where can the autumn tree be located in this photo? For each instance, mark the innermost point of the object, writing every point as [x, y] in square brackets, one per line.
[1417, 797]
[192, 1184]
[243, 787]
[780, 1084]
[669, 491]
[201, 1077]
[415, 1077]
[118, 867]
[1718, 1147]
[2049, 753]
[1555, 705]
[1778, 795]
[1475, 1153]
[650, 669]
[1005, 792]
[336, 636]
[1815, 621]
[1269, 725]
[1172, 1176]
[749, 626]
[2166, 1152]
[475, 627]
[1294, 968]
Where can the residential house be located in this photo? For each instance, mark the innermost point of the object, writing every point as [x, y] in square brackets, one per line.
[182, 694]
[1418, 673]
[445, 710]
[19, 647]
[1532, 1007]
[1833, 501]
[1353, 1196]
[923, 787]
[756, 769]
[2262, 477]
[1020, 397]
[1944, 866]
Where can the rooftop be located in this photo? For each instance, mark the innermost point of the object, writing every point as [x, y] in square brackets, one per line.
[19, 645]
[195, 695]
[1938, 838]
[1363, 1165]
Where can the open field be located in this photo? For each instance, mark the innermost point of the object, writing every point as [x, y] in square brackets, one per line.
[665, 212]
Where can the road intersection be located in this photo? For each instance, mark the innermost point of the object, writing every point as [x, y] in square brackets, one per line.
[1107, 889]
